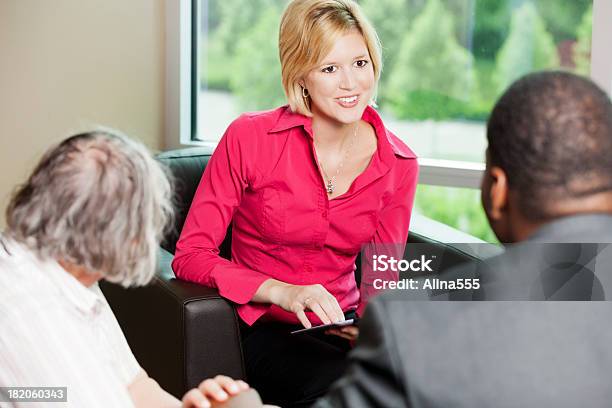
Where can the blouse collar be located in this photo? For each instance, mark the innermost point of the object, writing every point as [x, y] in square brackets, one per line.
[390, 145]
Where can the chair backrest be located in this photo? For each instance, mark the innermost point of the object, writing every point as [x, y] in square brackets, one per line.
[187, 166]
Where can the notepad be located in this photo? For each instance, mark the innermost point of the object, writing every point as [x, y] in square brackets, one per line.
[348, 322]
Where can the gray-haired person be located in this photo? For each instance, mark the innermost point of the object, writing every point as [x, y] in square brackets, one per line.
[94, 208]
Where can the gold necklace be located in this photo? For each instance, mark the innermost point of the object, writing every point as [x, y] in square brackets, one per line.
[330, 186]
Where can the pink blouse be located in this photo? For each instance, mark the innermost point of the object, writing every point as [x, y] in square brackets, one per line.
[264, 179]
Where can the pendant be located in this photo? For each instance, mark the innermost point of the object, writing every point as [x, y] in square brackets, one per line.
[330, 186]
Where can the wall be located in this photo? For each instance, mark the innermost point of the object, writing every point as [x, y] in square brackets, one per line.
[66, 65]
[601, 64]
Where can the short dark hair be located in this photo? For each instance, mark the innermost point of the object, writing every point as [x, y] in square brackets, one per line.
[551, 132]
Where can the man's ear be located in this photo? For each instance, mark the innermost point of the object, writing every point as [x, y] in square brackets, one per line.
[496, 200]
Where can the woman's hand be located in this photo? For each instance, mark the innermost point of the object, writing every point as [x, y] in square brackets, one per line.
[347, 332]
[316, 298]
[218, 389]
[298, 299]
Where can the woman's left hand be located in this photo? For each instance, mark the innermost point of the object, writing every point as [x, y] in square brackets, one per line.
[347, 332]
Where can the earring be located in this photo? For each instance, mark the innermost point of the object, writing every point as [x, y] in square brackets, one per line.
[305, 93]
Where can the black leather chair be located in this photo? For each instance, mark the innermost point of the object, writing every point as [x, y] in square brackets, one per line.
[182, 332]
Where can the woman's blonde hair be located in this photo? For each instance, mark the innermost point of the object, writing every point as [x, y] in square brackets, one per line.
[307, 33]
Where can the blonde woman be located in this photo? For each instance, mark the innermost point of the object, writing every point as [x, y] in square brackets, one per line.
[304, 186]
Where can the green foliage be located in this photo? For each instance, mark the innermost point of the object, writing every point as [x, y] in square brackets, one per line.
[492, 19]
[237, 26]
[529, 47]
[431, 105]
[490, 27]
[582, 51]
[389, 30]
[237, 17]
[457, 207]
[487, 92]
[428, 72]
[215, 65]
[562, 16]
[430, 61]
[256, 79]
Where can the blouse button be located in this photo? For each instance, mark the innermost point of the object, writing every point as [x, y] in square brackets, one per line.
[307, 268]
[324, 214]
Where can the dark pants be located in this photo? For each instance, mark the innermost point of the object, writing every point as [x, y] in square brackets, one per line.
[291, 370]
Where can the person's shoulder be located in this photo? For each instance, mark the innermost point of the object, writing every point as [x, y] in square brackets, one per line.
[251, 130]
[19, 268]
[29, 303]
[261, 121]
[256, 134]
[399, 147]
[395, 310]
[401, 309]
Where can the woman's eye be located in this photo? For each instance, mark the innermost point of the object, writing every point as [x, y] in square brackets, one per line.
[329, 69]
[361, 63]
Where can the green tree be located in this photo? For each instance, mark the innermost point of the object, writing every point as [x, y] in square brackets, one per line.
[231, 21]
[256, 79]
[562, 16]
[389, 30]
[239, 16]
[457, 207]
[431, 66]
[529, 47]
[215, 64]
[582, 51]
[490, 27]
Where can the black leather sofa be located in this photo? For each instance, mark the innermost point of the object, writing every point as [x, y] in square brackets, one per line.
[182, 332]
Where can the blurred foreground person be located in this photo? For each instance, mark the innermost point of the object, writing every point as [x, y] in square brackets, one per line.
[547, 184]
[94, 208]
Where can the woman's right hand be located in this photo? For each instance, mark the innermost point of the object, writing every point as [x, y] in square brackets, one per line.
[300, 298]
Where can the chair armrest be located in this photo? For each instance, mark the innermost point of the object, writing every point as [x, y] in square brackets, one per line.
[180, 332]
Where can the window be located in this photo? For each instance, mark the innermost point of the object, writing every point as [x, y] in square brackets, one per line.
[445, 64]
[465, 213]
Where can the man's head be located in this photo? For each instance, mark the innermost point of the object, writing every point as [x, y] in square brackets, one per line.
[97, 200]
[549, 154]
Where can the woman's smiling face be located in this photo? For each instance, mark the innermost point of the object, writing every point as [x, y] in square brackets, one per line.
[341, 86]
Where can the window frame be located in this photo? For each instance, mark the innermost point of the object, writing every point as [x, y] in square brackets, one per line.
[181, 101]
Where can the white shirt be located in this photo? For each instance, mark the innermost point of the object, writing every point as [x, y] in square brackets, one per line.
[55, 332]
